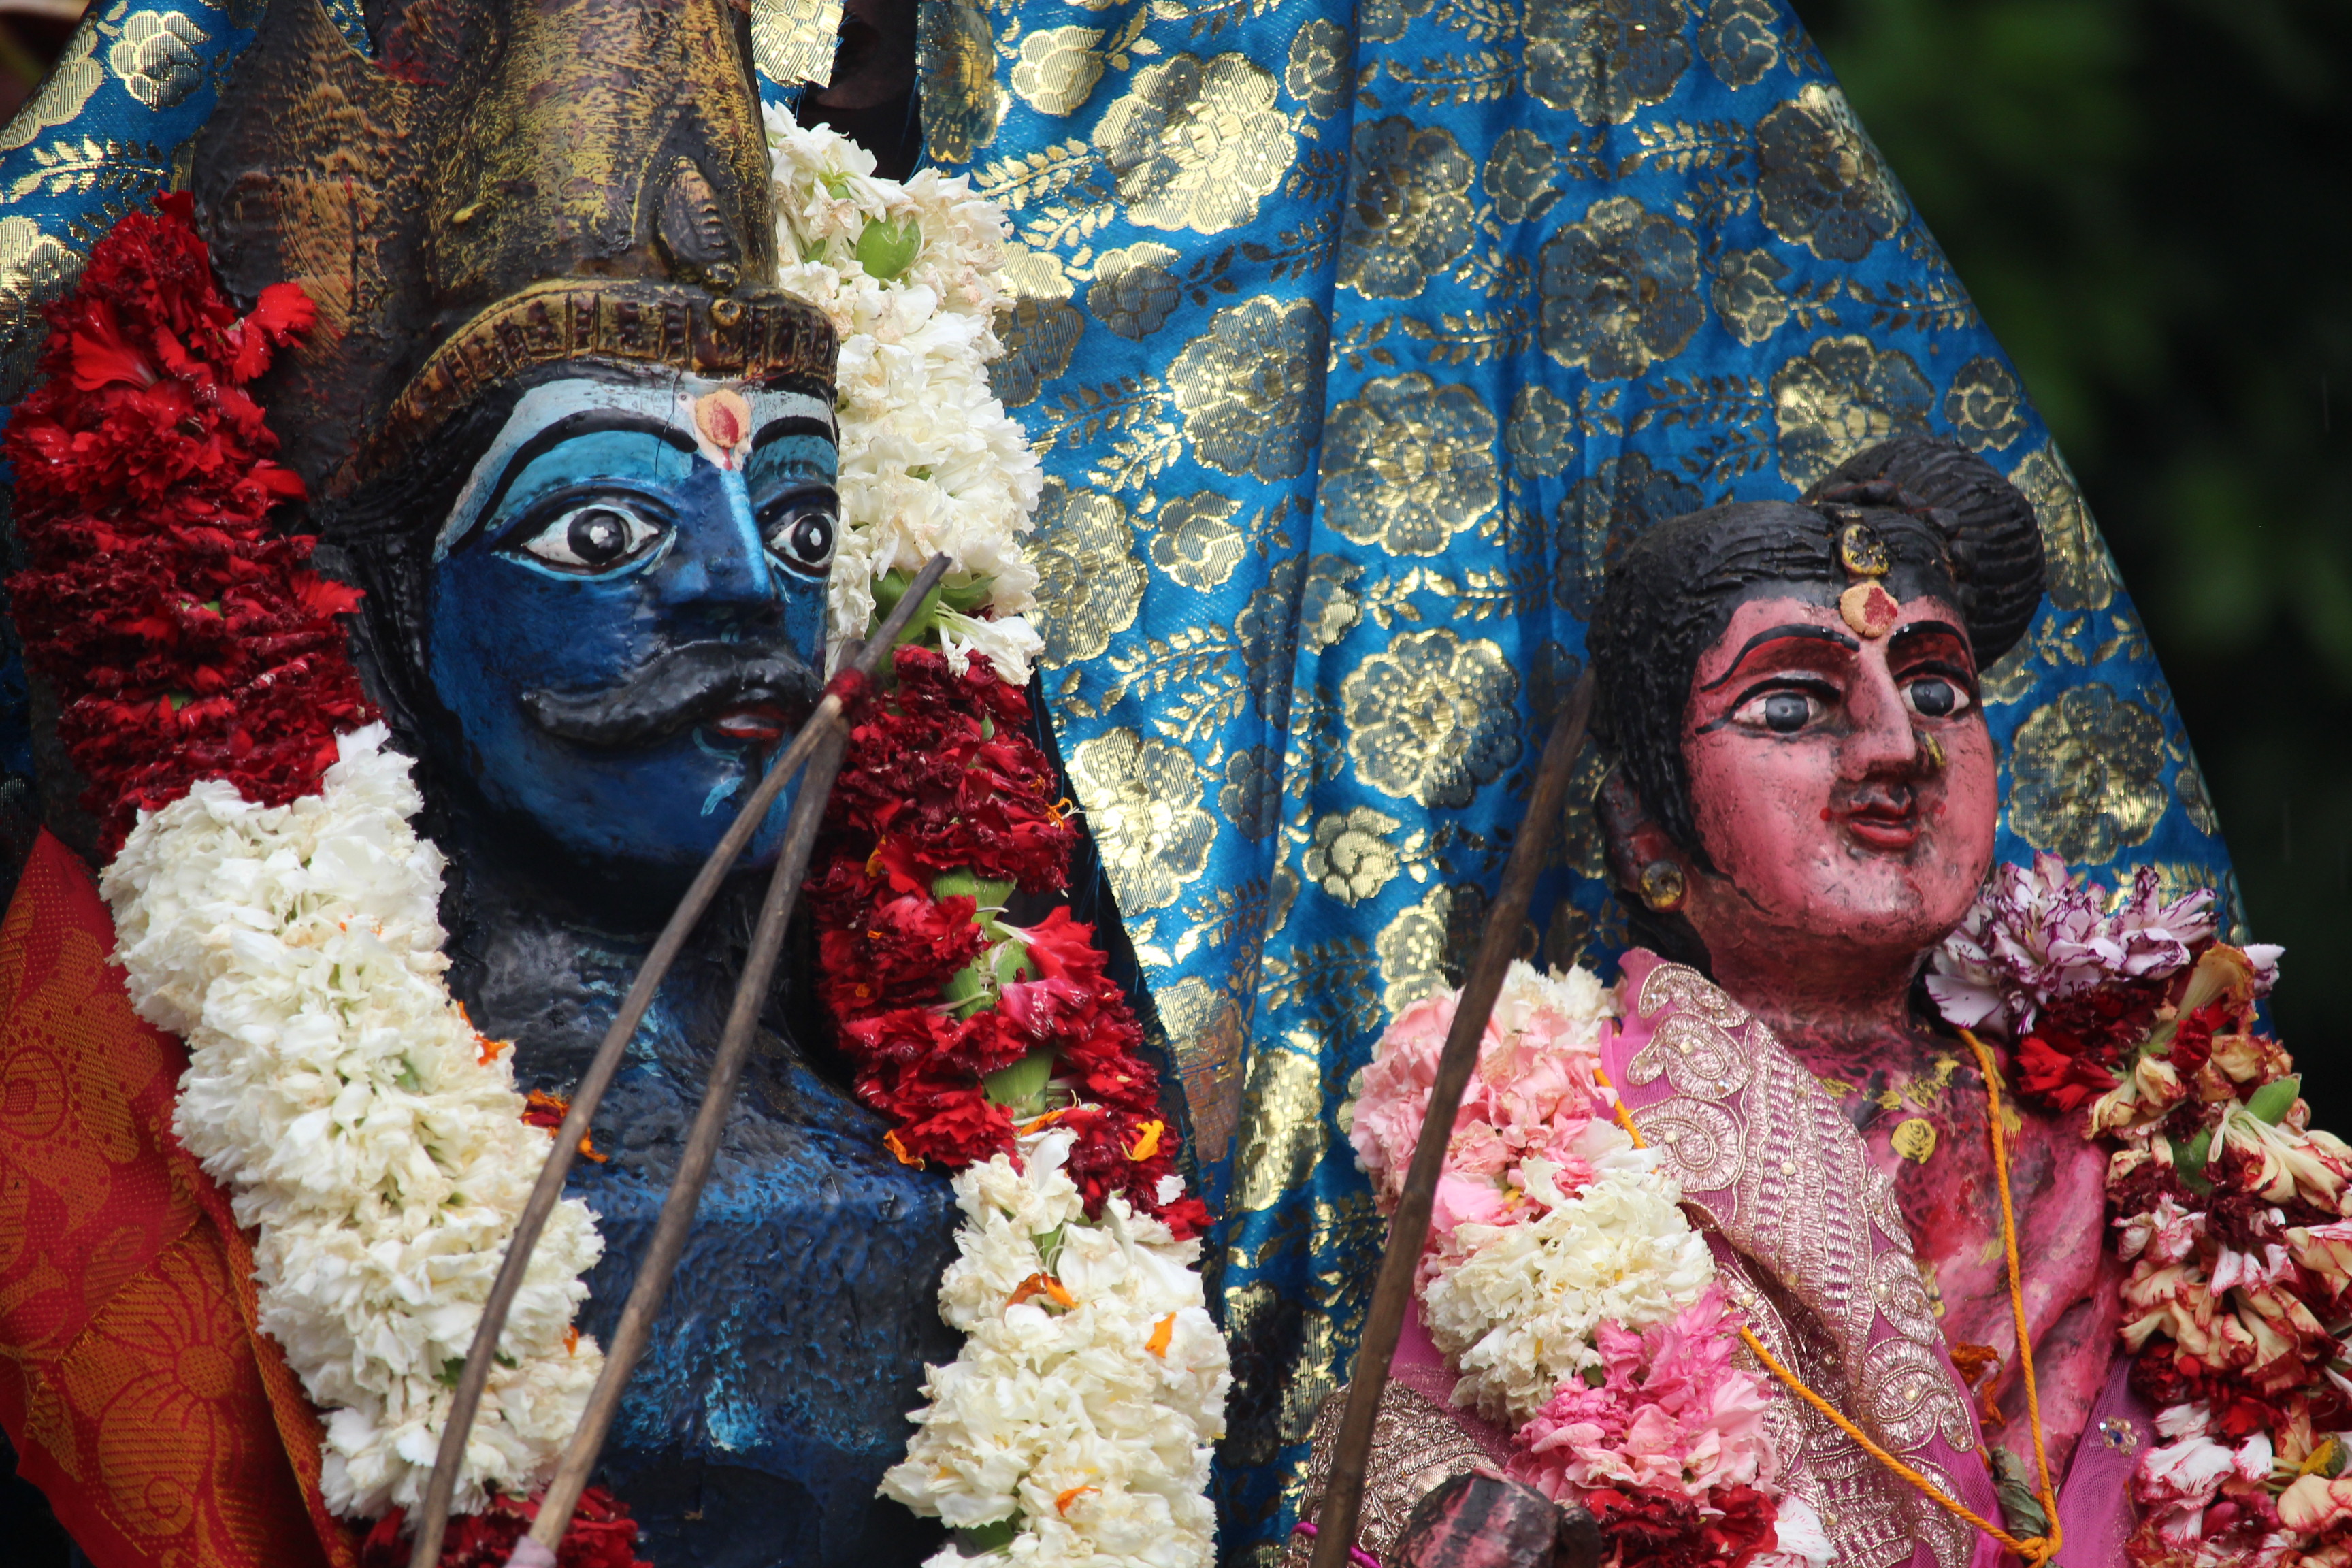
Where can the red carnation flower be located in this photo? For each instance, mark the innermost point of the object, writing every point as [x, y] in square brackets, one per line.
[600, 1535]
[182, 640]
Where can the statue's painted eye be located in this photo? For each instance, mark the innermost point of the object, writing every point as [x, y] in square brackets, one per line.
[1934, 697]
[800, 531]
[594, 538]
[1784, 712]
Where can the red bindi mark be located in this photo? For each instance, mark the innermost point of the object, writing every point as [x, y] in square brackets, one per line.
[724, 419]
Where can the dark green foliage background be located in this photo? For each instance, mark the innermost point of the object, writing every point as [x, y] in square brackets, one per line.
[2151, 201]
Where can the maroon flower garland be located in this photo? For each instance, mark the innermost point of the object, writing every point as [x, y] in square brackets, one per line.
[183, 641]
[942, 807]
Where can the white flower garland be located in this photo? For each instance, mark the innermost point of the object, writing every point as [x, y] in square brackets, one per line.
[930, 462]
[1075, 1424]
[358, 1121]
[1087, 1409]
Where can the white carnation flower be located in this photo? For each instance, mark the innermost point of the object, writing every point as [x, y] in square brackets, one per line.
[1085, 1410]
[1516, 1307]
[360, 1125]
[931, 462]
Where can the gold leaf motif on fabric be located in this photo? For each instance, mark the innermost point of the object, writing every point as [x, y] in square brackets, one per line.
[1317, 73]
[1134, 292]
[2087, 775]
[1419, 949]
[155, 56]
[2082, 574]
[1196, 143]
[1620, 289]
[1287, 1132]
[963, 106]
[1143, 808]
[1408, 464]
[35, 267]
[1432, 717]
[1840, 395]
[1540, 434]
[1059, 68]
[1408, 212]
[60, 99]
[1090, 581]
[1985, 406]
[793, 41]
[1349, 856]
[1822, 184]
[1604, 59]
[1739, 40]
[1520, 173]
[1251, 387]
[1748, 296]
[1697, 1056]
[1197, 545]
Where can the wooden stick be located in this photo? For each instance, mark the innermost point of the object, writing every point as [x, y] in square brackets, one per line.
[432, 1523]
[677, 1221]
[1343, 1495]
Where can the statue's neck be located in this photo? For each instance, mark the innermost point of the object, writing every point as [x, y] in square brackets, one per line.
[537, 969]
[1834, 1015]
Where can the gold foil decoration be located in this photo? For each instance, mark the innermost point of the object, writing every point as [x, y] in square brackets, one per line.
[1408, 464]
[76, 75]
[1197, 545]
[1143, 809]
[1840, 395]
[1059, 68]
[1090, 582]
[1986, 405]
[155, 58]
[793, 41]
[1196, 143]
[1206, 1032]
[1620, 289]
[2082, 574]
[1430, 718]
[1349, 856]
[2087, 775]
[1286, 1129]
[1251, 387]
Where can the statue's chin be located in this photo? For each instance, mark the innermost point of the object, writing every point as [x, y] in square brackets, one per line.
[628, 828]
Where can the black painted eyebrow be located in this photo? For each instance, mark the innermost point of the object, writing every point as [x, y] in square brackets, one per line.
[586, 422]
[791, 425]
[1920, 628]
[1770, 634]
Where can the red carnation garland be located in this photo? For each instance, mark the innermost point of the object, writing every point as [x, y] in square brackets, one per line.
[183, 641]
[943, 806]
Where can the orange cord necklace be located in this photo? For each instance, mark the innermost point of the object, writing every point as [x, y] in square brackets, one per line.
[2035, 1550]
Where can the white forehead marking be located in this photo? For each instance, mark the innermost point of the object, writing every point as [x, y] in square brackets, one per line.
[671, 401]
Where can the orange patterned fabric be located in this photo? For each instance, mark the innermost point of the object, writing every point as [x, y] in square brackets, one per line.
[166, 1429]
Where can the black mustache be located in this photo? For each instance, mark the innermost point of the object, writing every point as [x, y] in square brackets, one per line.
[677, 689]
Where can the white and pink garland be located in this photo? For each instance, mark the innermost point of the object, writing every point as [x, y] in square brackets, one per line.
[1565, 1286]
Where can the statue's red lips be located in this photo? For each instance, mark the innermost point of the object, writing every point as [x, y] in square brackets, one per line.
[1880, 825]
[764, 722]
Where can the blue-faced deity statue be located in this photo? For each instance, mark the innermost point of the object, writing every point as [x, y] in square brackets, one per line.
[627, 615]
[577, 448]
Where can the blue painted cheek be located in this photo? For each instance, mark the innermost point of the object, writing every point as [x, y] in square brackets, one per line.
[501, 629]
